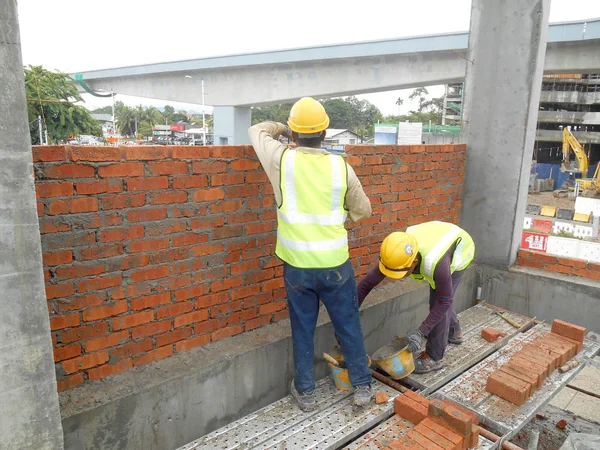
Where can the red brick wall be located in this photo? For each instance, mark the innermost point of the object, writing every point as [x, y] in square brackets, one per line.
[149, 251]
[565, 266]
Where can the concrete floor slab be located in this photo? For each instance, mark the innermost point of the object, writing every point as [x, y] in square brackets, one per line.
[588, 379]
[585, 406]
[563, 398]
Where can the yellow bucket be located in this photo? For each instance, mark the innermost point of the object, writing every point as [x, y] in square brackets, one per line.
[340, 375]
[395, 359]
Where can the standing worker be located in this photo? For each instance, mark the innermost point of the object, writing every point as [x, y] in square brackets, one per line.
[437, 252]
[315, 191]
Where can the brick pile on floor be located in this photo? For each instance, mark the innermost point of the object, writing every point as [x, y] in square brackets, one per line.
[519, 378]
[439, 425]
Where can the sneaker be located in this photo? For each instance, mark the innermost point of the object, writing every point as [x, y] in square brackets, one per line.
[306, 400]
[456, 339]
[363, 395]
[424, 364]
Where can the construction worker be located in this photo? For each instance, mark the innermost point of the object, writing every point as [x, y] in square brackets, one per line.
[315, 191]
[436, 252]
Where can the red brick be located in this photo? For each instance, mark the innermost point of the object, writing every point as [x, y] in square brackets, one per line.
[518, 366]
[244, 164]
[90, 153]
[79, 271]
[210, 325]
[154, 355]
[145, 153]
[244, 292]
[538, 358]
[270, 308]
[189, 239]
[258, 228]
[256, 323]
[53, 226]
[167, 198]
[109, 370]
[527, 377]
[565, 345]
[67, 352]
[147, 184]
[456, 439]
[404, 443]
[73, 206]
[207, 249]
[450, 415]
[410, 410]
[173, 336]
[212, 222]
[146, 215]
[163, 228]
[272, 284]
[150, 273]
[131, 349]
[226, 179]
[245, 191]
[97, 283]
[132, 320]
[209, 167]
[192, 343]
[46, 153]
[558, 354]
[151, 329]
[122, 234]
[193, 317]
[209, 195]
[40, 209]
[227, 232]
[381, 397]
[474, 441]
[70, 382]
[59, 290]
[84, 362]
[122, 201]
[49, 189]
[508, 388]
[98, 187]
[81, 302]
[63, 171]
[148, 245]
[227, 332]
[568, 330]
[428, 438]
[121, 170]
[150, 301]
[168, 167]
[58, 258]
[491, 334]
[84, 332]
[190, 152]
[226, 283]
[174, 310]
[102, 312]
[190, 181]
[242, 316]
[112, 340]
[566, 340]
[536, 367]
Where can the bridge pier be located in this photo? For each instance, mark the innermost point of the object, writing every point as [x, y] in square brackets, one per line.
[231, 124]
[507, 45]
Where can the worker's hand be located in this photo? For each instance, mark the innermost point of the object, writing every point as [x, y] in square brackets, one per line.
[414, 338]
[287, 133]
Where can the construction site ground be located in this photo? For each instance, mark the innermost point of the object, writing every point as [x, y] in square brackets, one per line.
[548, 199]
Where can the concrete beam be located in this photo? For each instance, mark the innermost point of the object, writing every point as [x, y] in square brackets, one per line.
[569, 117]
[584, 137]
[581, 98]
[502, 91]
[29, 415]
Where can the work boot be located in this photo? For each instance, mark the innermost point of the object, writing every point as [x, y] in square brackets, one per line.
[306, 400]
[456, 338]
[425, 364]
[363, 395]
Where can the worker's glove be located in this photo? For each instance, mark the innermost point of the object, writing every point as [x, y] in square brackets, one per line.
[413, 340]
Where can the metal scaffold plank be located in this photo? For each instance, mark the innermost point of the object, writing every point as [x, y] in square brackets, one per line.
[282, 425]
[459, 358]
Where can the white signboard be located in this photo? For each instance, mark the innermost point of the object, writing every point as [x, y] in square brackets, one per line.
[410, 133]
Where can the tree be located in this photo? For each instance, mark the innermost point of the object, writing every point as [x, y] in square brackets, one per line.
[179, 116]
[168, 112]
[125, 117]
[340, 113]
[103, 110]
[400, 101]
[53, 96]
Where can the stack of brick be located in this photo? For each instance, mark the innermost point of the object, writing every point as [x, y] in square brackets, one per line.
[519, 378]
[439, 425]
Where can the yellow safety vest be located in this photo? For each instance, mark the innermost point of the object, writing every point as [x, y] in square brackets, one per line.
[435, 239]
[310, 219]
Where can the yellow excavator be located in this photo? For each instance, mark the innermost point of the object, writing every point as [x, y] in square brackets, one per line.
[588, 187]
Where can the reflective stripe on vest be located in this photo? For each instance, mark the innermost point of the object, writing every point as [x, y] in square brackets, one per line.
[311, 217]
[435, 239]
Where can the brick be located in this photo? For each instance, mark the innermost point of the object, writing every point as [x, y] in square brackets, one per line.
[154, 355]
[70, 382]
[456, 439]
[417, 398]
[132, 320]
[190, 181]
[122, 234]
[147, 184]
[93, 153]
[131, 349]
[73, 206]
[65, 171]
[209, 166]
[59, 290]
[121, 170]
[381, 397]
[147, 215]
[112, 340]
[167, 198]
[226, 179]
[559, 355]
[97, 283]
[47, 153]
[67, 352]
[527, 377]
[518, 366]
[404, 443]
[257, 323]
[98, 187]
[190, 152]
[192, 317]
[434, 438]
[212, 222]
[209, 195]
[168, 167]
[533, 353]
[568, 346]
[491, 334]
[508, 388]
[79, 271]
[542, 370]
[474, 441]
[174, 310]
[227, 232]
[146, 153]
[192, 343]
[226, 332]
[57, 258]
[191, 292]
[150, 301]
[150, 273]
[173, 336]
[53, 189]
[422, 440]
[148, 245]
[410, 410]
[151, 329]
[189, 239]
[107, 370]
[210, 325]
[82, 333]
[121, 201]
[578, 345]
[102, 312]
[165, 227]
[568, 330]
[53, 226]
[244, 164]
[84, 362]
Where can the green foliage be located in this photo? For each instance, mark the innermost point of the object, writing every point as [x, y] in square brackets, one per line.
[272, 113]
[52, 95]
[103, 110]
[428, 110]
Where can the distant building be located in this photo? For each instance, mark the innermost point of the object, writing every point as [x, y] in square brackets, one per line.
[336, 136]
[106, 121]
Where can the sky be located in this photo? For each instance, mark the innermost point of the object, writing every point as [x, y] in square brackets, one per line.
[80, 35]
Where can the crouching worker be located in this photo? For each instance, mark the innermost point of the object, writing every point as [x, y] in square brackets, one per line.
[436, 252]
[315, 191]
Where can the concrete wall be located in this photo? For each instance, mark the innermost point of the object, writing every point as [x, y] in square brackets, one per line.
[542, 294]
[29, 415]
[180, 399]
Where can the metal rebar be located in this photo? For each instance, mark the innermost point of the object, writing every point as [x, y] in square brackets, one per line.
[495, 438]
[391, 383]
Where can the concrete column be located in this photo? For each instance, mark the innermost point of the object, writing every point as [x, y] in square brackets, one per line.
[29, 412]
[231, 124]
[507, 45]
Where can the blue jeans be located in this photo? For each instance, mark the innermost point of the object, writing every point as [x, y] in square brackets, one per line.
[336, 288]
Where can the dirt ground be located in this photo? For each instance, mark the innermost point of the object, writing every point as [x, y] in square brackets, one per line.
[547, 199]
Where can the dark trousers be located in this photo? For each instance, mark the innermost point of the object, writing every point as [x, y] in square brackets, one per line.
[336, 288]
[437, 341]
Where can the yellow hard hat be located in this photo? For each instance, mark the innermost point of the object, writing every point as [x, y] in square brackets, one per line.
[398, 252]
[308, 116]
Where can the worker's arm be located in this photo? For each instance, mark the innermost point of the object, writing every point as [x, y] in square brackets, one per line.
[263, 137]
[444, 291]
[366, 285]
[357, 202]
